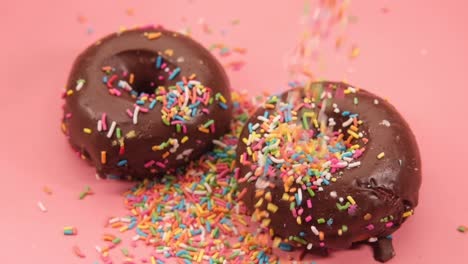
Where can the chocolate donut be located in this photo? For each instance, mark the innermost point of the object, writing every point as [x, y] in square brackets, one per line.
[145, 102]
[327, 166]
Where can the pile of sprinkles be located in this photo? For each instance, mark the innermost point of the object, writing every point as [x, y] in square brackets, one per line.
[193, 216]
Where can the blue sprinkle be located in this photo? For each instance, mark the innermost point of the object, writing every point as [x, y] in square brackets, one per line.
[158, 62]
[167, 254]
[285, 247]
[326, 182]
[122, 163]
[345, 113]
[187, 261]
[181, 252]
[302, 234]
[140, 102]
[141, 233]
[174, 73]
[208, 226]
[330, 221]
[132, 225]
[223, 105]
[266, 114]
[159, 261]
[104, 79]
[152, 104]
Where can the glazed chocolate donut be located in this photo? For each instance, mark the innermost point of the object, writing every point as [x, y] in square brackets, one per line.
[144, 102]
[327, 166]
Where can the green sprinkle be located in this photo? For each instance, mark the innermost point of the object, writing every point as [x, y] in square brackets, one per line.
[209, 123]
[118, 132]
[344, 228]
[124, 251]
[311, 192]
[462, 229]
[116, 240]
[343, 207]
[321, 220]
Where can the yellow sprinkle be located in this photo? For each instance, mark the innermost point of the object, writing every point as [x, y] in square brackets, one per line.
[407, 214]
[123, 229]
[381, 155]
[272, 207]
[285, 196]
[153, 260]
[169, 52]
[350, 199]
[276, 241]
[221, 97]
[340, 232]
[103, 157]
[184, 139]
[266, 222]
[87, 130]
[299, 220]
[333, 179]
[268, 196]
[193, 76]
[259, 203]
[200, 256]
[153, 35]
[69, 92]
[352, 133]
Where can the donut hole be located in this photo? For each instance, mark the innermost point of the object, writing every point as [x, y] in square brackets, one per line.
[138, 68]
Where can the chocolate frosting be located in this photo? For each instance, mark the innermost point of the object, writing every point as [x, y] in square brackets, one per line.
[384, 189]
[151, 61]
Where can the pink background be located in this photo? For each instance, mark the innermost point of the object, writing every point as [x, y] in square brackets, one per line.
[416, 55]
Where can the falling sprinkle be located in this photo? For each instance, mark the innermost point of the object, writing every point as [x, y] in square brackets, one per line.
[462, 229]
[87, 191]
[41, 207]
[77, 251]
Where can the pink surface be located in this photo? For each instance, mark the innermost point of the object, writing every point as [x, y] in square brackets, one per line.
[415, 54]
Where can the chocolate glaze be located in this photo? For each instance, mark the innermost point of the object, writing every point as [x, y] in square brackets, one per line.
[135, 51]
[385, 187]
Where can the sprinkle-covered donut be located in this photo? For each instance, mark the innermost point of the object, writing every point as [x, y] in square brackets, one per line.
[144, 102]
[329, 165]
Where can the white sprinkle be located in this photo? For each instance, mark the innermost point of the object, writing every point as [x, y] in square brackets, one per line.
[299, 196]
[135, 115]
[275, 160]
[262, 118]
[219, 143]
[111, 129]
[314, 230]
[125, 219]
[385, 123]
[180, 59]
[98, 249]
[136, 237]
[348, 159]
[373, 239]
[309, 246]
[99, 125]
[208, 188]
[348, 122]
[42, 207]
[376, 101]
[262, 183]
[354, 164]
[326, 164]
[351, 89]
[79, 84]
[114, 220]
[199, 192]
[248, 175]
[336, 110]
[254, 127]
[341, 199]
[333, 194]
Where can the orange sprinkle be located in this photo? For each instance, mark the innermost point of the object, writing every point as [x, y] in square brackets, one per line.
[153, 35]
[132, 78]
[103, 157]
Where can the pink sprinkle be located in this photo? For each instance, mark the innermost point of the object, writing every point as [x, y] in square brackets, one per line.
[322, 244]
[149, 163]
[213, 128]
[357, 153]
[206, 111]
[125, 73]
[300, 211]
[68, 115]
[160, 77]
[104, 121]
[370, 227]
[389, 224]
[129, 113]
[309, 203]
[308, 218]
[294, 212]
[160, 164]
[163, 65]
